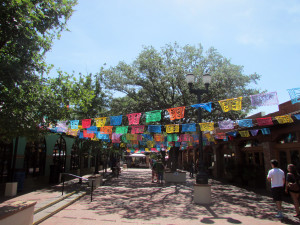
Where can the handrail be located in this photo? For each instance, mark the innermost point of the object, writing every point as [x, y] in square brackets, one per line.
[80, 178]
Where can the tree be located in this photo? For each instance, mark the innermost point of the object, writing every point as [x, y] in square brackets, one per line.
[29, 108]
[97, 105]
[27, 29]
[156, 80]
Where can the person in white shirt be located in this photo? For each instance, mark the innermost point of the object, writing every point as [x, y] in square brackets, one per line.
[277, 179]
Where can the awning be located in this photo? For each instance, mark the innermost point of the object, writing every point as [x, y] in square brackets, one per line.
[137, 155]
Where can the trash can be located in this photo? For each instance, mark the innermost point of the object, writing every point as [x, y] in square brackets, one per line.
[20, 178]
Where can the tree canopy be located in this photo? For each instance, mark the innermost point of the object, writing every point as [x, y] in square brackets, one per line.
[32, 105]
[27, 29]
[156, 80]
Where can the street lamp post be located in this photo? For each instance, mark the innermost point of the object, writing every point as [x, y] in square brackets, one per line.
[202, 177]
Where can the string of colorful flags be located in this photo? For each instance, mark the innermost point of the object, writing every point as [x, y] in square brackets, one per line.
[140, 140]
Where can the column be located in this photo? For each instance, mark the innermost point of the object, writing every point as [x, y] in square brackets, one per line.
[50, 143]
[20, 152]
[69, 145]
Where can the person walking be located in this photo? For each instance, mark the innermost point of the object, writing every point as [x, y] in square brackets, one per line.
[159, 169]
[277, 178]
[292, 186]
[192, 166]
[154, 175]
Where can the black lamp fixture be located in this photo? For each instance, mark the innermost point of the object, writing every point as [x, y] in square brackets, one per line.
[202, 176]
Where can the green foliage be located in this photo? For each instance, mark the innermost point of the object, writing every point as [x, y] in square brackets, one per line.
[27, 29]
[92, 99]
[30, 107]
[156, 80]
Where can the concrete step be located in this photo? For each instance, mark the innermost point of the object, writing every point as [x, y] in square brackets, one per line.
[44, 212]
[47, 203]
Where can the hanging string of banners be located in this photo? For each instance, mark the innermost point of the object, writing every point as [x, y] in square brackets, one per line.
[139, 141]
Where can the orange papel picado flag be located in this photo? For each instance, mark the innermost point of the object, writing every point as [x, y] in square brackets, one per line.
[209, 137]
[231, 104]
[106, 130]
[176, 113]
[159, 137]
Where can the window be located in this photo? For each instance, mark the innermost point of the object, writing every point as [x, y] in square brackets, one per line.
[35, 158]
[295, 157]
[287, 138]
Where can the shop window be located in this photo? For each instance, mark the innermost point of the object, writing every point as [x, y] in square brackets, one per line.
[295, 158]
[287, 138]
[251, 143]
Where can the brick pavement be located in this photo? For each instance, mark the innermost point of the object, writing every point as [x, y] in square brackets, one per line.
[133, 199]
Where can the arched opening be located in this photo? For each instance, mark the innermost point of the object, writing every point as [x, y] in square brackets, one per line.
[35, 158]
[75, 156]
[59, 154]
[58, 160]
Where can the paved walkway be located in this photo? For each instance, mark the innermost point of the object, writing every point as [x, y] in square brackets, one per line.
[133, 199]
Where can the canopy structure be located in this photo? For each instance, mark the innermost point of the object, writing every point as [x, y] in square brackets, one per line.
[137, 155]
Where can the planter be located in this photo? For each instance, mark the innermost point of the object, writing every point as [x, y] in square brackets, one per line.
[175, 177]
[202, 193]
[20, 213]
[11, 189]
[97, 180]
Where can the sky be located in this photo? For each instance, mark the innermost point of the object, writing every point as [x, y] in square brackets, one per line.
[261, 35]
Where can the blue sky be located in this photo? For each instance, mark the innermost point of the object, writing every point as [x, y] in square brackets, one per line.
[261, 35]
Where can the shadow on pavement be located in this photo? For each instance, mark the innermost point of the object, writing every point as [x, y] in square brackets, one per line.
[133, 196]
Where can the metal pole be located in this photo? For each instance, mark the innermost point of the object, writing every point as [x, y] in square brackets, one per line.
[63, 187]
[202, 177]
[92, 190]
